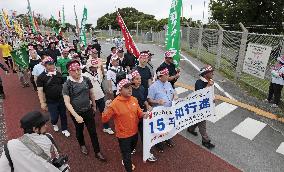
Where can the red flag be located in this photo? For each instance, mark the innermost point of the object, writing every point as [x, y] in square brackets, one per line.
[129, 43]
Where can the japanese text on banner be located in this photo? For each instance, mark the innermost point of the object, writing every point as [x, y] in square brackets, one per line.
[165, 122]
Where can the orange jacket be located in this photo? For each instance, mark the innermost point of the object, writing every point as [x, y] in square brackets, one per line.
[126, 113]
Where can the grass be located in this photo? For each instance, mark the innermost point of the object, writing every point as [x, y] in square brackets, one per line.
[254, 86]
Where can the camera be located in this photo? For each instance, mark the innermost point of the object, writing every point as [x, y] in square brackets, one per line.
[60, 161]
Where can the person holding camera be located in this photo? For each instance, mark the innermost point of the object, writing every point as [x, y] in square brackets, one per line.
[34, 151]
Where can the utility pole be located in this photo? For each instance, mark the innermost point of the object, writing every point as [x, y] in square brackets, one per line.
[77, 23]
[109, 30]
[137, 23]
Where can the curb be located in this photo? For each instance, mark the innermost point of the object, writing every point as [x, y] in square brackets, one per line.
[251, 108]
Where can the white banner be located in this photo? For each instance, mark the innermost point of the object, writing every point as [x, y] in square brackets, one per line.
[256, 60]
[165, 122]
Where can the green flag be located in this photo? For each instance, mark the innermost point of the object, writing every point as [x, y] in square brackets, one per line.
[173, 30]
[53, 25]
[21, 57]
[31, 19]
[83, 29]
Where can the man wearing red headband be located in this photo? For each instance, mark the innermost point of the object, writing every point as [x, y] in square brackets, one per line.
[161, 93]
[77, 94]
[62, 62]
[49, 86]
[126, 113]
[174, 73]
[52, 51]
[144, 71]
[94, 56]
[138, 91]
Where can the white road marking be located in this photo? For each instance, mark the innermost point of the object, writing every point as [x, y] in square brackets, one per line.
[281, 148]
[181, 90]
[215, 84]
[222, 110]
[249, 128]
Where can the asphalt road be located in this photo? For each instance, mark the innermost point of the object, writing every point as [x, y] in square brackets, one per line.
[253, 144]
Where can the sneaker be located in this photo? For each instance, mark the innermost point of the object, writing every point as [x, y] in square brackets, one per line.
[14, 71]
[66, 133]
[108, 130]
[84, 150]
[208, 145]
[152, 158]
[133, 152]
[2, 96]
[274, 105]
[55, 128]
[160, 147]
[169, 143]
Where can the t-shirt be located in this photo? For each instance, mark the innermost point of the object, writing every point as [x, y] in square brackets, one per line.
[61, 63]
[38, 69]
[6, 50]
[33, 63]
[52, 86]
[145, 75]
[131, 60]
[79, 93]
[172, 71]
[200, 84]
[139, 94]
[40, 52]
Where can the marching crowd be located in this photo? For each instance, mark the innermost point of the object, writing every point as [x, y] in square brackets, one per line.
[70, 80]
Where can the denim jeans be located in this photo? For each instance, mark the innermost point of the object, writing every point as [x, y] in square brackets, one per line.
[57, 109]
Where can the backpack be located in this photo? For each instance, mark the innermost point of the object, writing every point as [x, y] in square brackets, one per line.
[120, 74]
[70, 87]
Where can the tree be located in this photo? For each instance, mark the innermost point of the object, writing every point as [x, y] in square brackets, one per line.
[129, 15]
[268, 13]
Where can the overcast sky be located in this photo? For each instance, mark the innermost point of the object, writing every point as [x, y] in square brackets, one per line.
[97, 8]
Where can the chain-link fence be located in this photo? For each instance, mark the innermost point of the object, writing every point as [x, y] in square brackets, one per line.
[225, 50]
